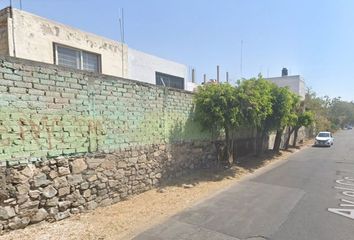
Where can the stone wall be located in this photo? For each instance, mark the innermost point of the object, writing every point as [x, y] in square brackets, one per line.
[72, 140]
[55, 189]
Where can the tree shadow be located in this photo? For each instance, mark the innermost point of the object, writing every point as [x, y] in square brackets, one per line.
[192, 159]
[252, 162]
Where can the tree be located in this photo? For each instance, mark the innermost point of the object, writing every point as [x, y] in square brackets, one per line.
[284, 102]
[300, 119]
[217, 108]
[304, 119]
[320, 108]
[255, 99]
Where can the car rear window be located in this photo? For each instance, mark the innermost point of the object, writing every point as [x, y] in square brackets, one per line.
[323, 135]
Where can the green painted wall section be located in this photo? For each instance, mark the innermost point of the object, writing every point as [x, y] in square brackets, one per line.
[46, 111]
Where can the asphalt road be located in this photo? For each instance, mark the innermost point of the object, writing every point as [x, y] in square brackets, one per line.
[299, 199]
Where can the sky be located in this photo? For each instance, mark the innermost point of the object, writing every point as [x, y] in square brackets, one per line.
[314, 39]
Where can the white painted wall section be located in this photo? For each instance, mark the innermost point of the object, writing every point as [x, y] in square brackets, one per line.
[34, 37]
[295, 83]
[142, 67]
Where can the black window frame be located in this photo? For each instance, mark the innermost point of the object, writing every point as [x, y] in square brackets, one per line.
[168, 80]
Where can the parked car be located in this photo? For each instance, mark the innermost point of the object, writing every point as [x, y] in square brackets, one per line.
[348, 127]
[324, 139]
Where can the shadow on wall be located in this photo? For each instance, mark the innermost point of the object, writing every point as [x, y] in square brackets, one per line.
[186, 150]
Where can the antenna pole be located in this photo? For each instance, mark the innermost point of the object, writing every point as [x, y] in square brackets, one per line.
[121, 27]
[241, 63]
[123, 30]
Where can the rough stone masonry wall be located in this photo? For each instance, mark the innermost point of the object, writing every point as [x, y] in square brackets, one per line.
[71, 141]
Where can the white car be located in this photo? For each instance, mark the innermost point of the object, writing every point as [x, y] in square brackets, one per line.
[324, 139]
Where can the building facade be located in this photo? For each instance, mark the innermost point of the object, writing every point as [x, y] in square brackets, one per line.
[295, 83]
[25, 35]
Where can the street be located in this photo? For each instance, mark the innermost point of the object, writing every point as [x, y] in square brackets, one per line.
[307, 197]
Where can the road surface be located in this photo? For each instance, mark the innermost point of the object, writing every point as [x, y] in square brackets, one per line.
[307, 197]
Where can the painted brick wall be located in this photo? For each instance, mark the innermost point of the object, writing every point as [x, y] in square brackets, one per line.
[48, 111]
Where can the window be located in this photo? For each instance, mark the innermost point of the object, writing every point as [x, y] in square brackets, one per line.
[169, 80]
[76, 58]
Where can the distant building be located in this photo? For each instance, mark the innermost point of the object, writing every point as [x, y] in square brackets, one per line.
[295, 83]
[28, 36]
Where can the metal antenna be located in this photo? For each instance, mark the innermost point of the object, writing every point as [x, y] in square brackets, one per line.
[120, 29]
[241, 59]
[121, 26]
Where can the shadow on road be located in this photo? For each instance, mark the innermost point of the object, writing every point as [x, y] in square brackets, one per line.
[243, 165]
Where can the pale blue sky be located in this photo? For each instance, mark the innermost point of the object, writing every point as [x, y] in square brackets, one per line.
[312, 38]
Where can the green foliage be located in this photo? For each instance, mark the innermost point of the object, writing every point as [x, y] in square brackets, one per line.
[329, 114]
[254, 103]
[255, 99]
[217, 106]
[341, 113]
[305, 119]
[284, 106]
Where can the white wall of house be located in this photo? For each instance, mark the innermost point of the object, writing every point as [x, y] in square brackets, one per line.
[143, 66]
[32, 37]
[294, 83]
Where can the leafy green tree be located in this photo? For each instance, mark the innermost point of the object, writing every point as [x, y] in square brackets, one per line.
[255, 99]
[217, 108]
[320, 108]
[301, 119]
[340, 113]
[283, 105]
[304, 119]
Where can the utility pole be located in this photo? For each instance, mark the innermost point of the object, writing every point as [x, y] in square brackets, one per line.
[217, 73]
[204, 78]
[227, 77]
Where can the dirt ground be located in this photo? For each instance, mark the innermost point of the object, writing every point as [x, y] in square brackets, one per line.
[128, 218]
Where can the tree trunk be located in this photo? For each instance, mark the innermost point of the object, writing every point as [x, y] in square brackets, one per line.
[295, 137]
[263, 138]
[277, 140]
[228, 154]
[259, 142]
[290, 131]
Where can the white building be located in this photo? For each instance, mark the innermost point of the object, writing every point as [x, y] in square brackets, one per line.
[295, 83]
[28, 36]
